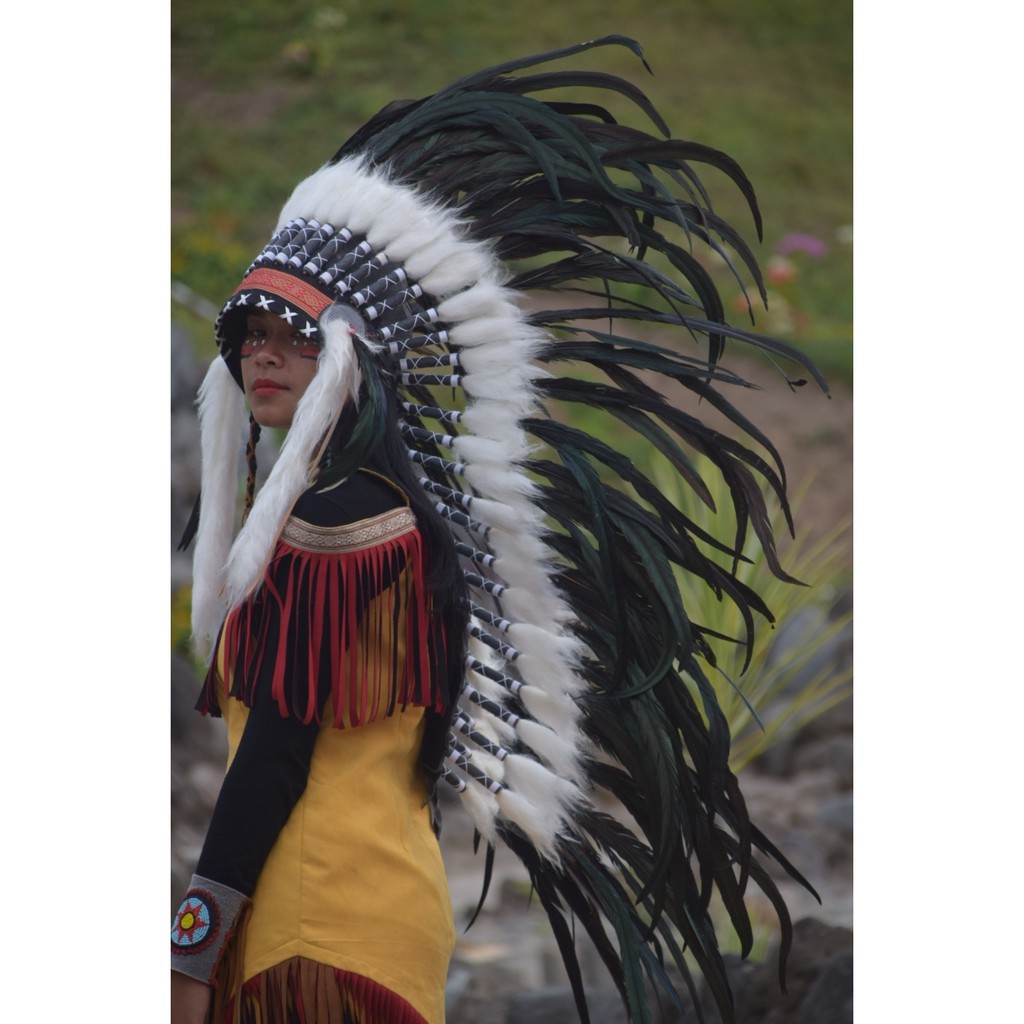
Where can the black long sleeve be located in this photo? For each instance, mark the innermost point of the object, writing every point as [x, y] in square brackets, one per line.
[271, 765]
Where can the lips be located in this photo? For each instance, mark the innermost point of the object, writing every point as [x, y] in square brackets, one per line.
[266, 386]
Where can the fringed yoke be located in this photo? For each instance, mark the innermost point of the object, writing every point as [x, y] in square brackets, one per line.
[343, 615]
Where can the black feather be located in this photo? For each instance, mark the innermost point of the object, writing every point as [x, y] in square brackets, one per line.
[604, 219]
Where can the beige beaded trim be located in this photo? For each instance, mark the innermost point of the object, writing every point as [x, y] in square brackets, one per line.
[366, 533]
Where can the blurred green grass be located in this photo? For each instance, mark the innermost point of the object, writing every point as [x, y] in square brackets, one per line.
[264, 92]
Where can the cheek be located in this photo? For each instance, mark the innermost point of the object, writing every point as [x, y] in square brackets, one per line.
[246, 378]
[305, 371]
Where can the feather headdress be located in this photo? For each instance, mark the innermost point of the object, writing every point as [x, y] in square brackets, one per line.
[504, 251]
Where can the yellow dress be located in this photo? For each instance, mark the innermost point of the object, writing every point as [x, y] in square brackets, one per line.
[355, 880]
[351, 918]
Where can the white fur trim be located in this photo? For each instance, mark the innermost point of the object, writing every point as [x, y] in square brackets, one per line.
[559, 751]
[452, 267]
[223, 424]
[484, 299]
[501, 419]
[543, 820]
[482, 808]
[537, 783]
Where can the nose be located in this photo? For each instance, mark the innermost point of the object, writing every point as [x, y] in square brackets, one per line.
[269, 353]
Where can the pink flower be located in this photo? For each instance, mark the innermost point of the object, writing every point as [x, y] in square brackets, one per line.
[797, 241]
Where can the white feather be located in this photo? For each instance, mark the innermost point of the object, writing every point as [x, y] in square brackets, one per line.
[489, 765]
[482, 807]
[222, 420]
[498, 419]
[487, 367]
[494, 691]
[531, 595]
[552, 795]
[485, 317]
[541, 825]
[327, 190]
[546, 606]
[489, 387]
[496, 513]
[400, 228]
[444, 269]
[338, 192]
[484, 299]
[554, 749]
[504, 485]
[554, 710]
[374, 198]
[484, 451]
[543, 644]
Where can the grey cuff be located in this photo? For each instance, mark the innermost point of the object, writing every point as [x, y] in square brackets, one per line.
[203, 923]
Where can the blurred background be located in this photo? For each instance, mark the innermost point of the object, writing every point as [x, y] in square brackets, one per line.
[264, 92]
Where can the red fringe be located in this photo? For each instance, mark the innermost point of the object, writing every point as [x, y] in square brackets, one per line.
[227, 976]
[302, 991]
[357, 625]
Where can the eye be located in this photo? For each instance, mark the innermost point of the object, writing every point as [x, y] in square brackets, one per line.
[255, 337]
[308, 348]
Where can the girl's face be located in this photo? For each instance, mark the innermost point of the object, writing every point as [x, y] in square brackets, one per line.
[278, 363]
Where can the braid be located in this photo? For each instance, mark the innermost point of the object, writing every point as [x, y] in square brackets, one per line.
[250, 464]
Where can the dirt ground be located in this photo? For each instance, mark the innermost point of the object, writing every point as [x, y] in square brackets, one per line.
[814, 435]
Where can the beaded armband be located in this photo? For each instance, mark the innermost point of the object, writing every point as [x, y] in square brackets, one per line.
[205, 919]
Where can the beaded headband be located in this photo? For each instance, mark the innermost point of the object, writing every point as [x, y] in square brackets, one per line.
[306, 267]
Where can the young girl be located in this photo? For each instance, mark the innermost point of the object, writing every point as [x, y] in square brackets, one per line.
[320, 882]
[441, 316]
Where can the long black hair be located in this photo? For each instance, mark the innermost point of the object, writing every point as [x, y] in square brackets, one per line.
[368, 436]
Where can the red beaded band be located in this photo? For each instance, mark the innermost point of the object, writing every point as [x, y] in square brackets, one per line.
[306, 296]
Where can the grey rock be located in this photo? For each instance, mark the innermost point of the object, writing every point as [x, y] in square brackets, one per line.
[739, 972]
[185, 469]
[198, 754]
[483, 997]
[186, 369]
[836, 815]
[829, 1000]
[814, 945]
[556, 1006]
[828, 756]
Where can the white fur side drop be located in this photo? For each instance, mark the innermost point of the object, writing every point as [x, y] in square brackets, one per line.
[222, 423]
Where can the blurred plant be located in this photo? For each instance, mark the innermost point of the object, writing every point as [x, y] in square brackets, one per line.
[181, 621]
[318, 42]
[206, 252]
[801, 278]
[793, 676]
[789, 312]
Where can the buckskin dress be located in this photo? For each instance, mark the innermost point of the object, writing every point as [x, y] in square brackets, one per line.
[325, 676]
